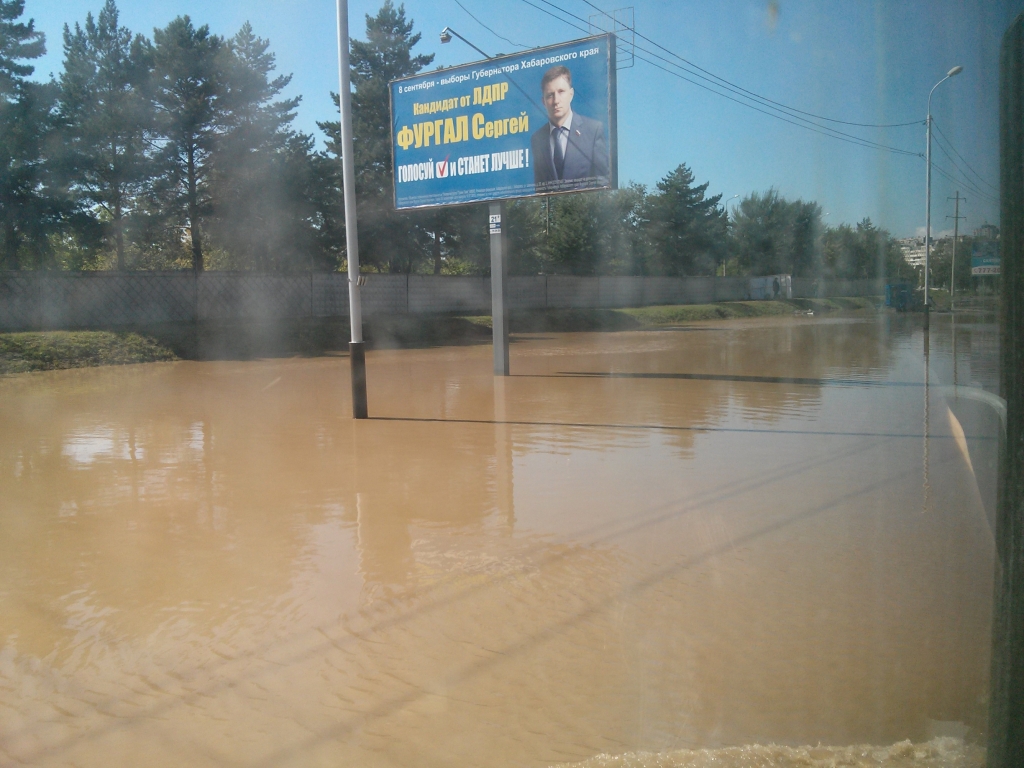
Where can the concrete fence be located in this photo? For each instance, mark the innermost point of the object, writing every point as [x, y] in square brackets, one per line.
[47, 300]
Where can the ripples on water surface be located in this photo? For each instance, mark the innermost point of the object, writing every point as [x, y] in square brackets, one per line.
[640, 543]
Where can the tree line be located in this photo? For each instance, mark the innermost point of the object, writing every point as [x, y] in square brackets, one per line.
[178, 152]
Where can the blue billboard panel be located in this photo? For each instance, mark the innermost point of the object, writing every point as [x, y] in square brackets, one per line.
[985, 258]
[531, 123]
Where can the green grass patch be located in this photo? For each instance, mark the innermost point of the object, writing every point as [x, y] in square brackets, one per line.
[688, 313]
[242, 340]
[637, 318]
[49, 350]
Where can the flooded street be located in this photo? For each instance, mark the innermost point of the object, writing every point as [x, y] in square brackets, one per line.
[745, 533]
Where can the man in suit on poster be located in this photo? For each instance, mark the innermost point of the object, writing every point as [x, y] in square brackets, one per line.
[569, 151]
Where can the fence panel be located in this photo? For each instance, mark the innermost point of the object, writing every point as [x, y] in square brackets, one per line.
[449, 294]
[620, 291]
[384, 295]
[330, 294]
[18, 301]
[529, 292]
[31, 300]
[251, 295]
[572, 292]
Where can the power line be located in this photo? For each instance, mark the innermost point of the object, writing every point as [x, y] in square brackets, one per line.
[500, 37]
[824, 130]
[951, 146]
[549, 13]
[849, 139]
[967, 181]
[950, 176]
[836, 133]
[749, 93]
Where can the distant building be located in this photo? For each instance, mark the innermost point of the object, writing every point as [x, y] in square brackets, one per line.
[913, 250]
[987, 232]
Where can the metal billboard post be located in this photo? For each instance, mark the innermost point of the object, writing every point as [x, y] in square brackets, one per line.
[357, 355]
[499, 286]
[501, 129]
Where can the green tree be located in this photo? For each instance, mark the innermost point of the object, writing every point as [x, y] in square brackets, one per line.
[32, 204]
[388, 240]
[942, 262]
[261, 209]
[772, 235]
[577, 236]
[686, 227]
[189, 72]
[859, 252]
[108, 116]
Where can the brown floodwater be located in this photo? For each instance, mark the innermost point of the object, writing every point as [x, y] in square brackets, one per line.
[643, 548]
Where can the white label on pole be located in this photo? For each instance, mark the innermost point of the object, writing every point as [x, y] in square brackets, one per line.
[495, 224]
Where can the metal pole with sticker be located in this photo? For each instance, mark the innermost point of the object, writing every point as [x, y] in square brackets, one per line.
[499, 290]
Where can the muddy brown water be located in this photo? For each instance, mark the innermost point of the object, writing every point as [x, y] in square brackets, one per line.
[641, 545]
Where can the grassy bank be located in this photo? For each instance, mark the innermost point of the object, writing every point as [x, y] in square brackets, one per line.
[49, 350]
[242, 340]
[638, 318]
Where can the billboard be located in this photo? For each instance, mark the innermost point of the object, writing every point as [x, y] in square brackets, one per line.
[985, 258]
[531, 123]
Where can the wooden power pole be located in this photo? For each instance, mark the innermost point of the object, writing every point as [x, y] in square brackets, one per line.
[956, 236]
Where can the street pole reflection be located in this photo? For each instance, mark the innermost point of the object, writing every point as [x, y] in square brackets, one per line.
[926, 495]
[504, 492]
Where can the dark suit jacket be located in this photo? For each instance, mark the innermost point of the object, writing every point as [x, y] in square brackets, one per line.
[586, 157]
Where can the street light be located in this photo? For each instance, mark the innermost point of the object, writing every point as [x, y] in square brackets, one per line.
[446, 37]
[928, 189]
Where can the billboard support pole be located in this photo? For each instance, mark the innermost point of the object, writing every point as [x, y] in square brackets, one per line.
[357, 355]
[499, 286]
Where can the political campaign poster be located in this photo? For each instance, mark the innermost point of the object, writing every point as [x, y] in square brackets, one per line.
[537, 122]
[985, 258]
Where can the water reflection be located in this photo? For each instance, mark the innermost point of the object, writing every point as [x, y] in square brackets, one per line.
[211, 563]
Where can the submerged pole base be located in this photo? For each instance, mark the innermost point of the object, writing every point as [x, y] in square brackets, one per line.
[357, 359]
[927, 313]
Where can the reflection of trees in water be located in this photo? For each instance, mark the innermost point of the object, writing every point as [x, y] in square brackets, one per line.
[197, 483]
[162, 494]
[196, 488]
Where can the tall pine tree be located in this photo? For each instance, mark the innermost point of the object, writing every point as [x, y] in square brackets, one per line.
[687, 228]
[31, 203]
[189, 72]
[105, 105]
[262, 215]
[387, 239]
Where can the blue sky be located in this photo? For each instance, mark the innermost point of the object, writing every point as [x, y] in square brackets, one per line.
[867, 62]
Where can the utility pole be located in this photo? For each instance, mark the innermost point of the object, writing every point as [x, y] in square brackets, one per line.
[356, 354]
[956, 236]
[928, 189]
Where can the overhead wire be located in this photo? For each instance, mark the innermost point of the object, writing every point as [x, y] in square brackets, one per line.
[750, 93]
[964, 179]
[500, 37]
[952, 147]
[824, 130]
[849, 139]
[954, 180]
